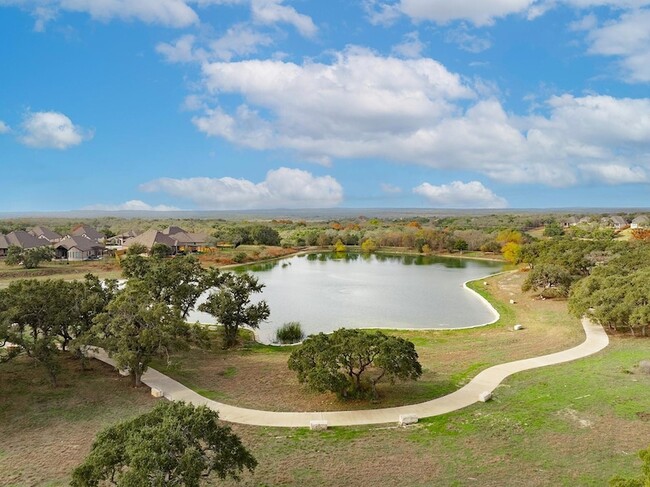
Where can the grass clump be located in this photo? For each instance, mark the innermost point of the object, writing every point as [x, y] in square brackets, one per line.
[290, 333]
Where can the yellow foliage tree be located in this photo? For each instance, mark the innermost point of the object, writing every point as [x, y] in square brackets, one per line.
[511, 252]
[339, 246]
[369, 245]
[509, 236]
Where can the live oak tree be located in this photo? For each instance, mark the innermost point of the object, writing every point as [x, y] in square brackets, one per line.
[231, 305]
[135, 328]
[176, 444]
[39, 317]
[160, 250]
[29, 258]
[553, 280]
[351, 363]
[617, 293]
[179, 282]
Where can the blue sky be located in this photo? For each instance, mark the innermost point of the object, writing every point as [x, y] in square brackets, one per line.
[242, 104]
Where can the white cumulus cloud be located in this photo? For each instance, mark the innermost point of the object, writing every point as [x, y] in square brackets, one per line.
[615, 173]
[4, 128]
[131, 205]
[171, 13]
[282, 188]
[271, 12]
[52, 130]
[358, 93]
[628, 39]
[416, 111]
[479, 12]
[238, 41]
[460, 195]
[410, 47]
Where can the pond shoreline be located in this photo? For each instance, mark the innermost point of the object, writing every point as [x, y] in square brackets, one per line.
[426, 295]
[493, 310]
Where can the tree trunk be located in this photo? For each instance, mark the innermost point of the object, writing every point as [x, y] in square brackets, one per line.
[136, 378]
[52, 376]
[230, 336]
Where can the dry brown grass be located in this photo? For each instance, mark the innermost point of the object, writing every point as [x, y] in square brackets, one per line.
[45, 432]
[107, 268]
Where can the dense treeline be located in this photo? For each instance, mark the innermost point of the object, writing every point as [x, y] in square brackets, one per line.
[40, 317]
[557, 263]
[617, 293]
[605, 279]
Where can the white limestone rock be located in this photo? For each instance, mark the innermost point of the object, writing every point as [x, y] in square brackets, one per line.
[318, 425]
[155, 392]
[485, 396]
[406, 419]
[644, 366]
[518, 327]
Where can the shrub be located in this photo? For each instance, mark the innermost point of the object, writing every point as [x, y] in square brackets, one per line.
[239, 257]
[290, 333]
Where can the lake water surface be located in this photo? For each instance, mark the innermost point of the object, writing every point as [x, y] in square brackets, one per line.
[327, 291]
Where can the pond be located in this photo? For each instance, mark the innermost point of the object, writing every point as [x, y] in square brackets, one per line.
[327, 291]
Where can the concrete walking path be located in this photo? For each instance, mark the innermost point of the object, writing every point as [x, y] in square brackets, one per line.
[486, 381]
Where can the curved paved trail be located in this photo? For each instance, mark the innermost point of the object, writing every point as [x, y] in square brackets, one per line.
[485, 381]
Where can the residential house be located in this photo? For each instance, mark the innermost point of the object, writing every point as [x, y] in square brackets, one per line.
[641, 221]
[4, 245]
[153, 237]
[120, 240]
[618, 222]
[46, 234]
[22, 239]
[187, 241]
[585, 220]
[570, 222]
[88, 232]
[78, 248]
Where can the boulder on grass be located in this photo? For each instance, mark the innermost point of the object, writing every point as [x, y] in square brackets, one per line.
[318, 425]
[406, 419]
[485, 396]
[644, 367]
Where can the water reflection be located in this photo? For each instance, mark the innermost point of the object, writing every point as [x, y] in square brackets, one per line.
[406, 259]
